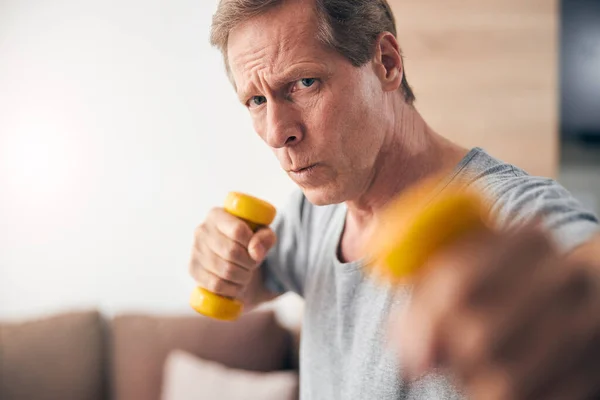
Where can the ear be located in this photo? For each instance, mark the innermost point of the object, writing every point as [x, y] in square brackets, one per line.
[388, 61]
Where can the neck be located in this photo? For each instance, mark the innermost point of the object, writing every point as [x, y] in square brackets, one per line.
[412, 151]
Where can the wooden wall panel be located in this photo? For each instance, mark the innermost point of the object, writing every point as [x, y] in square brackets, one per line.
[485, 74]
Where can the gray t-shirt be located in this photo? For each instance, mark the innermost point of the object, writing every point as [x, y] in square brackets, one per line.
[343, 351]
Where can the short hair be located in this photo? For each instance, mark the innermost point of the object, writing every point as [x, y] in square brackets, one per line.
[348, 26]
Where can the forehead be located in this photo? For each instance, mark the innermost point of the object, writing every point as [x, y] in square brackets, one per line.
[271, 42]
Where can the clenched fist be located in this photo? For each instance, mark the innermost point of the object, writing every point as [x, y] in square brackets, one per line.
[509, 317]
[226, 256]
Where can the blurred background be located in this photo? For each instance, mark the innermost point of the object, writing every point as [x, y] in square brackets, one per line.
[119, 131]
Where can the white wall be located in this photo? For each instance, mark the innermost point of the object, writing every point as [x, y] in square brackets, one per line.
[118, 132]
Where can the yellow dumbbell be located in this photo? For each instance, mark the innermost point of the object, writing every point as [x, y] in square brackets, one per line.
[256, 213]
[418, 224]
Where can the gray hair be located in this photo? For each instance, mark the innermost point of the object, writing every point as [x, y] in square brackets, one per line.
[348, 26]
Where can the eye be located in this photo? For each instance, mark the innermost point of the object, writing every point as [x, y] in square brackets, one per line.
[304, 83]
[308, 82]
[256, 101]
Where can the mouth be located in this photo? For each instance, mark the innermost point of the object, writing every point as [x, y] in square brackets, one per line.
[305, 175]
[303, 169]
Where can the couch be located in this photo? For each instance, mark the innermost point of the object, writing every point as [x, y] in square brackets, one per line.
[86, 356]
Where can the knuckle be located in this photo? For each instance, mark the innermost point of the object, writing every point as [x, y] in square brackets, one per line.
[239, 231]
[213, 212]
[452, 286]
[200, 230]
[194, 265]
[504, 387]
[230, 272]
[577, 285]
[192, 269]
[234, 251]
[214, 284]
[479, 340]
[222, 287]
[580, 278]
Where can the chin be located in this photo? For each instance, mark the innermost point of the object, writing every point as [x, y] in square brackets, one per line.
[320, 196]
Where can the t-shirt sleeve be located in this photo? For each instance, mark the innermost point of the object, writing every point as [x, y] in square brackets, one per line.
[285, 265]
[522, 198]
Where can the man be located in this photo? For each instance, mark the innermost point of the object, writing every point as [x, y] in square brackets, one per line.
[506, 315]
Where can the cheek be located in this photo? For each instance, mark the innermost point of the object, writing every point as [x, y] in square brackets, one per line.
[353, 121]
[333, 115]
[343, 122]
[259, 126]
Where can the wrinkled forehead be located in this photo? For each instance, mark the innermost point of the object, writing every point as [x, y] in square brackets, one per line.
[284, 35]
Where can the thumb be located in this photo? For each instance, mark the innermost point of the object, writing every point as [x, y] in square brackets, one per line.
[261, 243]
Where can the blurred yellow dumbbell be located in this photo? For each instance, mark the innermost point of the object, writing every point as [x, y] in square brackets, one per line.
[418, 224]
[256, 213]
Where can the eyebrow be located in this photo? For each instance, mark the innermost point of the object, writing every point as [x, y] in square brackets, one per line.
[296, 73]
[290, 75]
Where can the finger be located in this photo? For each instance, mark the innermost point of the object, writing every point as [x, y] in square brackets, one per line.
[439, 295]
[199, 249]
[565, 380]
[204, 258]
[545, 347]
[482, 334]
[552, 327]
[260, 244]
[582, 383]
[213, 283]
[480, 269]
[500, 286]
[226, 270]
[227, 249]
[511, 264]
[577, 371]
[231, 226]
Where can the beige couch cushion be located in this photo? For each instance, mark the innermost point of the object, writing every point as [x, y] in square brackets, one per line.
[140, 344]
[54, 358]
[187, 377]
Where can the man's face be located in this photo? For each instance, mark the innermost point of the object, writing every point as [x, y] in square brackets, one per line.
[322, 116]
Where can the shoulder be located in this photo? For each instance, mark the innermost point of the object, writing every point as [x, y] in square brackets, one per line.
[515, 198]
[509, 189]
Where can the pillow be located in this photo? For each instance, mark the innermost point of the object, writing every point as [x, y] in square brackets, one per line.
[140, 344]
[187, 377]
[55, 357]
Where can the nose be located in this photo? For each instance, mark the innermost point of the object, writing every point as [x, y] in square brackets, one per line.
[282, 126]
